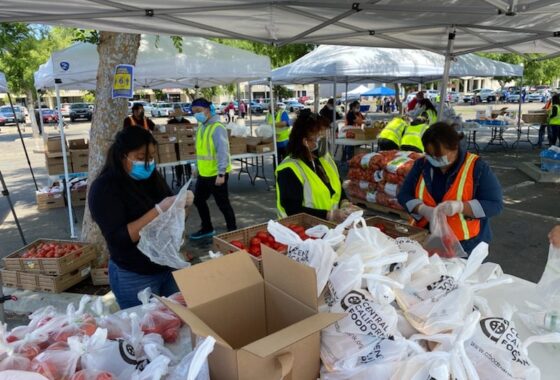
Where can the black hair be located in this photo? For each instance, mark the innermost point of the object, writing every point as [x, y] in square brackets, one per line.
[126, 141]
[201, 102]
[442, 134]
[428, 104]
[137, 106]
[306, 124]
[330, 101]
[555, 99]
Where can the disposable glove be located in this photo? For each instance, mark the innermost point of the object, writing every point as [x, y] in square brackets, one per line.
[426, 211]
[450, 208]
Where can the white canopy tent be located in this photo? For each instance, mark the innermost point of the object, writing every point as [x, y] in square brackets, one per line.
[355, 93]
[159, 64]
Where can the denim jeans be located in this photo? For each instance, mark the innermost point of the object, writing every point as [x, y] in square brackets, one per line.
[126, 285]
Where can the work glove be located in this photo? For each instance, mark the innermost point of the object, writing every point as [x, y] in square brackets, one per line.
[165, 204]
[426, 211]
[450, 208]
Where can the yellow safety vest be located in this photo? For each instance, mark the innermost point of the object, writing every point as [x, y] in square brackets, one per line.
[206, 157]
[282, 134]
[316, 194]
[556, 119]
[394, 130]
[432, 116]
[413, 136]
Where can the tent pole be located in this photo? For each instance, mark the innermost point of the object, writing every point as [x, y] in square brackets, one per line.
[445, 79]
[238, 100]
[273, 117]
[250, 109]
[519, 111]
[316, 97]
[334, 130]
[65, 160]
[41, 116]
[22, 142]
[346, 96]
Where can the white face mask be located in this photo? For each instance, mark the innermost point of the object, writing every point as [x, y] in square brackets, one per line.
[437, 162]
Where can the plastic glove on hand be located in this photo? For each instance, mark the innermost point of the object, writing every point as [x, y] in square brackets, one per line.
[426, 211]
[450, 208]
[165, 204]
[337, 215]
[190, 198]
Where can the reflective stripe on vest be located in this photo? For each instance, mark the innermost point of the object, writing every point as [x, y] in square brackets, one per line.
[206, 157]
[462, 189]
[134, 124]
[394, 130]
[282, 134]
[413, 136]
[432, 116]
[316, 194]
[556, 119]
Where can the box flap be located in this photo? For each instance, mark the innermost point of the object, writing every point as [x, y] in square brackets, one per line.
[279, 340]
[217, 278]
[297, 280]
[197, 326]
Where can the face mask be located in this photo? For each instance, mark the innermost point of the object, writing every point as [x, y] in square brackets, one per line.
[140, 172]
[437, 162]
[321, 146]
[200, 117]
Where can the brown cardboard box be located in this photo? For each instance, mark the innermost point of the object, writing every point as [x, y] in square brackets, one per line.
[253, 141]
[79, 197]
[237, 145]
[43, 282]
[363, 134]
[264, 327]
[186, 151]
[53, 144]
[55, 163]
[47, 201]
[80, 160]
[261, 148]
[78, 144]
[165, 138]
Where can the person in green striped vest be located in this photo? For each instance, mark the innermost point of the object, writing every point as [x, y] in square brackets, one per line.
[307, 180]
[283, 129]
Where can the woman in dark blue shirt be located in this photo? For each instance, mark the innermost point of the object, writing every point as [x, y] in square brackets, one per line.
[458, 183]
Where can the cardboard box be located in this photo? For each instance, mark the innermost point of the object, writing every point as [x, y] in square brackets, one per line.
[53, 144]
[186, 151]
[100, 276]
[51, 266]
[55, 163]
[78, 144]
[266, 327]
[362, 134]
[237, 149]
[261, 148]
[253, 141]
[185, 133]
[164, 138]
[43, 282]
[47, 201]
[80, 160]
[79, 197]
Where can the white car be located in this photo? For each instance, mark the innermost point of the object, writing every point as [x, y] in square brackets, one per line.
[294, 106]
[453, 96]
[161, 109]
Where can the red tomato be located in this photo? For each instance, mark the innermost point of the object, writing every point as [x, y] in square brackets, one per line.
[88, 328]
[255, 251]
[47, 369]
[380, 226]
[298, 229]
[255, 241]
[263, 235]
[58, 346]
[238, 244]
[303, 236]
[28, 350]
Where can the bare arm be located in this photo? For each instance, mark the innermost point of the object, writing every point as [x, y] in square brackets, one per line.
[134, 227]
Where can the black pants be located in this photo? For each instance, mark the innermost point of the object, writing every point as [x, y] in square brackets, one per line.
[281, 150]
[554, 134]
[411, 148]
[386, 144]
[347, 153]
[206, 186]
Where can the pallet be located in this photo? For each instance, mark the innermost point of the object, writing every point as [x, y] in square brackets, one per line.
[378, 208]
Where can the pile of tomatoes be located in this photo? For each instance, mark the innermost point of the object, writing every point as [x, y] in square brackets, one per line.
[50, 250]
[263, 237]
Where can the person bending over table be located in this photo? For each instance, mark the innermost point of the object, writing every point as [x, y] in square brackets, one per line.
[390, 136]
[127, 195]
[307, 180]
[214, 164]
[455, 182]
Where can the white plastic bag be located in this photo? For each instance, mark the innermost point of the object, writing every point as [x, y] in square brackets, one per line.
[316, 253]
[442, 240]
[161, 239]
[155, 370]
[195, 365]
[265, 131]
[549, 283]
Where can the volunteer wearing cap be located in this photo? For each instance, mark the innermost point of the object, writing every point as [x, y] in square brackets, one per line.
[308, 180]
[390, 137]
[454, 182]
[137, 119]
[283, 129]
[214, 164]
[428, 111]
[127, 195]
[412, 136]
[177, 117]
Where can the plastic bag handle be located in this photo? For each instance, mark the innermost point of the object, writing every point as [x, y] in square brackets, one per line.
[491, 283]
[361, 221]
[547, 338]
[286, 362]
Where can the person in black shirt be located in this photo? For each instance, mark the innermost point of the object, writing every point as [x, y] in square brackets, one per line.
[177, 117]
[127, 195]
[327, 111]
[137, 119]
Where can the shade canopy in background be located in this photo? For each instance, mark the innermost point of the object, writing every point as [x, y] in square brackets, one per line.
[524, 26]
[354, 64]
[355, 93]
[380, 91]
[3, 83]
[159, 65]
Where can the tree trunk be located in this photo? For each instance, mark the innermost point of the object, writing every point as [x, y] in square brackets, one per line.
[398, 101]
[113, 49]
[31, 110]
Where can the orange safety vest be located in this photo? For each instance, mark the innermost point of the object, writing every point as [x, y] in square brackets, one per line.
[133, 123]
[461, 190]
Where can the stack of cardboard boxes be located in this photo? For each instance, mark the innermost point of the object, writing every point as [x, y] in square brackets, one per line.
[237, 145]
[166, 151]
[259, 145]
[186, 149]
[53, 155]
[79, 154]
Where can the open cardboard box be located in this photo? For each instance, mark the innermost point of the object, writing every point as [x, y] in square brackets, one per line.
[265, 328]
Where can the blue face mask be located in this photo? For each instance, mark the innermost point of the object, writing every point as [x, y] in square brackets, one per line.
[437, 162]
[200, 117]
[139, 170]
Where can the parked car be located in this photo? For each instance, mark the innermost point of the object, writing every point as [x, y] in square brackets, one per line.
[147, 106]
[223, 105]
[161, 109]
[453, 97]
[294, 106]
[80, 111]
[49, 116]
[7, 114]
[513, 97]
[185, 107]
[256, 108]
[538, 96]
[65, 109]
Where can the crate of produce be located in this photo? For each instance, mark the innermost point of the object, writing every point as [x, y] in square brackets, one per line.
[43, 282]
[535, 118]
[53, 257]
[100, 276]
[47, 201]
[395, 229]
[362, 134]
[233, 241]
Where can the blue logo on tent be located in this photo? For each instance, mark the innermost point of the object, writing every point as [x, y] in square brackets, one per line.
[64, 65]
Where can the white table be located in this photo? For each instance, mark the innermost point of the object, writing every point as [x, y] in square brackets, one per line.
[544, 356]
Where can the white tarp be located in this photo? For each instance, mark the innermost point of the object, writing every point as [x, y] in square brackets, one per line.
[360, 64]
[158, 65]
[525, 26]
[3, 83]
[355, 93]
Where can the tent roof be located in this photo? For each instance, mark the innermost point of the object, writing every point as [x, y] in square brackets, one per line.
[356, 92]
[379, 91]
[524, 26]
[158, 65]
[360, 64]
[3, 84]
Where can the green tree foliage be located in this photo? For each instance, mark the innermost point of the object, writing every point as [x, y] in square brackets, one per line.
[535, 72]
